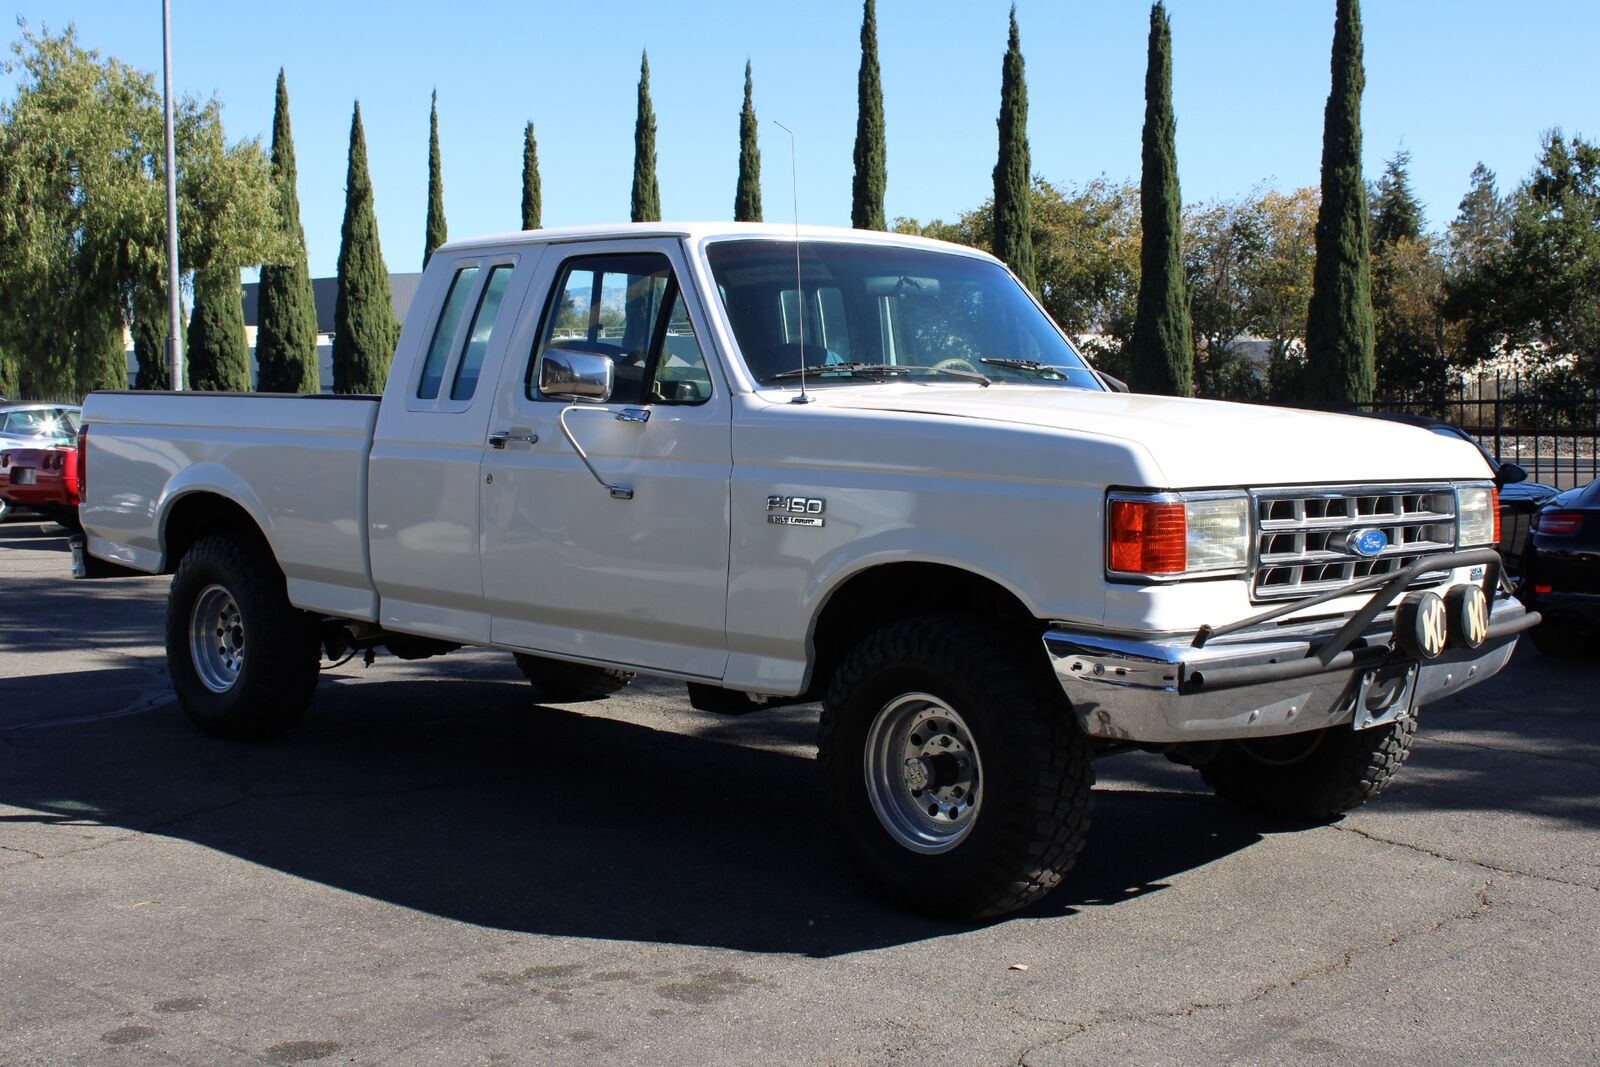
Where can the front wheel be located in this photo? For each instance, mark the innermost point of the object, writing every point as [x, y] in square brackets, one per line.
[244, 661]
[1316, 775]
[955, 772]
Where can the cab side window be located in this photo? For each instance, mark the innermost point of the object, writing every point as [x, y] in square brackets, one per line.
[628, 308]
[444, 332]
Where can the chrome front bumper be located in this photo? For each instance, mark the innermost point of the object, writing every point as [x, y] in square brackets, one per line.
[1261, 678]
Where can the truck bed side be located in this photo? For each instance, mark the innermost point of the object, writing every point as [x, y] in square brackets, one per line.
[297, 466]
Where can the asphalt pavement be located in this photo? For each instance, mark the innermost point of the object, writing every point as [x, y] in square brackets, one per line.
[433, 869]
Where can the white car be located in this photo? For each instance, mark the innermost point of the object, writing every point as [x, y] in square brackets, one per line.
[856, 467]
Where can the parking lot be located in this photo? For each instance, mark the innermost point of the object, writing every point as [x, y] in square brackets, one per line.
[434, 869]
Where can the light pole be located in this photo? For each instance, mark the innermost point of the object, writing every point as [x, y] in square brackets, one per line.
[174, 310]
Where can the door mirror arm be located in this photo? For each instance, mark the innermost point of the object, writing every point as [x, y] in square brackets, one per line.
[618, 492]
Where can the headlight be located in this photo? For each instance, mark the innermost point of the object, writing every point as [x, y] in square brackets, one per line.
[1477, 516]
[1177, 535]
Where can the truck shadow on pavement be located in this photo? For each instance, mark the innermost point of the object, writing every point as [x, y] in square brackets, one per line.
[508, 815]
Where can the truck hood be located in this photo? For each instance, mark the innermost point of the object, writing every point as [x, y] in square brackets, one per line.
[1194, 443]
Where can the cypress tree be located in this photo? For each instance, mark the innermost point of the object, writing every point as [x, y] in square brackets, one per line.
[1339, 339]
[532, 196]
[1013, 212]
[363, 315]
[747, 197]
[102, 353]
[218, 358]
[866, 190]
[437, 232]
[646, 204]
[286, 340]
[149, 330]
[1163, 352]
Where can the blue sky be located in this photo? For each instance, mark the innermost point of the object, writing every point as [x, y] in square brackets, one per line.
[1453, 81]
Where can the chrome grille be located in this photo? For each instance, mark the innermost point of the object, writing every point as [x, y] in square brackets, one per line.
[1301, 535]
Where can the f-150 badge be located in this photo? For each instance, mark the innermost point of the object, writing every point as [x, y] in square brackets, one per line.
[795, 510]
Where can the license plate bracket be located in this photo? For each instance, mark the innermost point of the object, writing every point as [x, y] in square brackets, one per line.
[1385, 695]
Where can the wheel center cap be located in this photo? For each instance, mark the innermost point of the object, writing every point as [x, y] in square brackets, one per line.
[917, 774]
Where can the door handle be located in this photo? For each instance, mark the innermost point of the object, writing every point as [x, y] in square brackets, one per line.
[499, 438]
[634, 415]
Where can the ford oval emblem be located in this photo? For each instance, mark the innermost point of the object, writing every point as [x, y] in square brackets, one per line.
[1367, 542]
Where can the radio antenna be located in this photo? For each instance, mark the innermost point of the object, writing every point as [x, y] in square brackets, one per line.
[799, 289]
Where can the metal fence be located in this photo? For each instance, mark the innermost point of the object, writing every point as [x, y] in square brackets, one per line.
[1549, 426]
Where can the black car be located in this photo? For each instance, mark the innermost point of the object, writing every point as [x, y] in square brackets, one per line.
[1561, 575]
[1520, 499]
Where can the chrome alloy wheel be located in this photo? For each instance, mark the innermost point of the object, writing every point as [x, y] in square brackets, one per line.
[216, 639]
[923, 774]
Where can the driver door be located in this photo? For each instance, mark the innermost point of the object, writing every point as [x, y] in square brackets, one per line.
[569, 567]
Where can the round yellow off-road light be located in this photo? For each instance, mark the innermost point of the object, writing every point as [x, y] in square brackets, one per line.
[1467, 616]
[1421, 626]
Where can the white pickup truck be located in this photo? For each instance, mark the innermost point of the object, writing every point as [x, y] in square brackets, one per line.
[789, 465]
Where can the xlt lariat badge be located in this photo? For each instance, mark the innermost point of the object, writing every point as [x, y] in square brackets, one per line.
[795, 510]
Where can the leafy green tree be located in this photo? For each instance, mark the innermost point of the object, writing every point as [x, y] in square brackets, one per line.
[1413, 339]
[81, 174]
[871, 176]
[747, 197]
[1280, 287]
[1408, 290]
[646, 200]
[1477, 239]
[10, 374]
[218, 359]
[532, 196]
[1339, 338]
[286, 337]
[102, 354]
[1013, 224]
[1547, 278]
[1396, 211]
[363, 314]
[437, 232]
[1224, 244]
[1163, 349]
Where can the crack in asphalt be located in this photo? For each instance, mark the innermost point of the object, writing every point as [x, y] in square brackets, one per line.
[1480, 904]
[1467, 860]
[1434, 740]
[22, 851]
[36, 857]
[302, 794]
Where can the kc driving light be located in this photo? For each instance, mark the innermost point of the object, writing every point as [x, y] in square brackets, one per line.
[1477, 516]
[1177, 535]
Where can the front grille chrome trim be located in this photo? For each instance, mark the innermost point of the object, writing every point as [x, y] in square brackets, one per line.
[1300, 535]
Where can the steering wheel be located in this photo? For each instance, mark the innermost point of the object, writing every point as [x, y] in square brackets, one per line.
[955, 363]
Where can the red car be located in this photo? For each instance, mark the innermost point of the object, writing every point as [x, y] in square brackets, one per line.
[41, 479]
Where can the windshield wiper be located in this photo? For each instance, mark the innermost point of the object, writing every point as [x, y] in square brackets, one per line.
[1032, 366]
[875, 370]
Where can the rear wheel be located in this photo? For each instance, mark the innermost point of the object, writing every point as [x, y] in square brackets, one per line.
[955, 771]
[1317, 775]
[559, 682]
[244, 661]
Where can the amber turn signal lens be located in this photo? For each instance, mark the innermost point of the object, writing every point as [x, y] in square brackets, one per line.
[1148, 537]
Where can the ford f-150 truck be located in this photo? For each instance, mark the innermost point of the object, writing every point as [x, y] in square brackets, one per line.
[785, 465]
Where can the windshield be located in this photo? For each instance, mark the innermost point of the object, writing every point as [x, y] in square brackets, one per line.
[878, 312]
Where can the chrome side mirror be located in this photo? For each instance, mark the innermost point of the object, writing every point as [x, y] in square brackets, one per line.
[584, 377]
